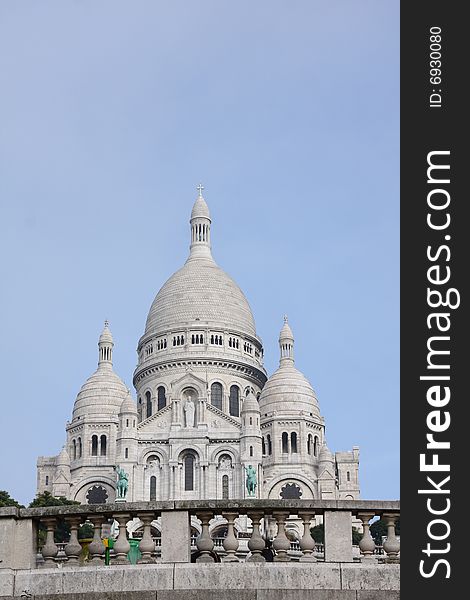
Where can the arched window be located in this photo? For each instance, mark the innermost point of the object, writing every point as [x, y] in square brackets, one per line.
[161, 398]
[74, 446]
[94, 445]
[270, 446]
[234, 401]
[263, 446]
[127, 422]
[153, 488]
[309, 444]
[47, 479]
[103, 445]
[148, 399]
[126, 453]
[293, 442]
[285, 443]
[79, 447]
[348, 476]
[216, 395]
[251, 450]
[315, 446]
[225, 487]
[189, 472]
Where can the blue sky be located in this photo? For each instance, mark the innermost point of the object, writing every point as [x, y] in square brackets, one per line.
[112, 112]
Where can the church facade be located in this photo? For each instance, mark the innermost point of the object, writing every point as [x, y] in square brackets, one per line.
[206, 411]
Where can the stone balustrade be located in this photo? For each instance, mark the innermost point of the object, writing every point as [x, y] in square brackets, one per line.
[268, 528]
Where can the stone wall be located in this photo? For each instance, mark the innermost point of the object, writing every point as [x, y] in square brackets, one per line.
[332, 581]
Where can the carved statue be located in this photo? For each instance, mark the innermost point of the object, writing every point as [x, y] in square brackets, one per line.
[189, 409]
[122, 484]
[250, 480]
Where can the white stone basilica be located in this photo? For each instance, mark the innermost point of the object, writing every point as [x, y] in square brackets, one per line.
[206, 409]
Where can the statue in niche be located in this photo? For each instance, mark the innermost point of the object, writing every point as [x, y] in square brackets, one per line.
[189, 409]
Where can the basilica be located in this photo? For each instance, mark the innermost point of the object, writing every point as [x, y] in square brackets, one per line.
[206, 412]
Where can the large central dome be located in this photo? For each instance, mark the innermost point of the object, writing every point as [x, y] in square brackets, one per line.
[199, 293]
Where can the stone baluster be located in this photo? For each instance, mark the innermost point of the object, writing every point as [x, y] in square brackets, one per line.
[367, 544]
[391, 545]
[256, 543]
[307, 543]
[147, 545]
[96, 548]
[204, 541]
[73, 548]
[50, 549]
[281, 544]
[230, 543]
[121, 545]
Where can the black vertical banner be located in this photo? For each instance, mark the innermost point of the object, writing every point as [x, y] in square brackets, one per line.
[434, 298]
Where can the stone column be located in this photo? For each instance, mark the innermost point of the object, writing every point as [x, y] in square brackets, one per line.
[230, 542]
[73, 549]
[338, 536]
[204, 542]
[391, 545]
[307, 543]
[281, 544]
[367, 544]
[49, 550]
[121, 545]
[256, 543]
[96, 548]
[176, 536]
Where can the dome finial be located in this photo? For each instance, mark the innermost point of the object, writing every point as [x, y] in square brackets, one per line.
[199, 188]
[286, 343]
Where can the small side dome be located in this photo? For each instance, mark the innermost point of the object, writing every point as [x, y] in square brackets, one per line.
[128, 406]
[250, 404]
[288, 390]
[63, 459]
[103, 392]
[325, 455]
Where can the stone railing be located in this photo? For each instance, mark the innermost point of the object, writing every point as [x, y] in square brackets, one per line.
[19, 532]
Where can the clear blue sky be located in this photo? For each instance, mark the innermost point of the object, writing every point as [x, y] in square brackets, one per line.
[112, 112]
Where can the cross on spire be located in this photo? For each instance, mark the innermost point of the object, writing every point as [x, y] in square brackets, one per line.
[199, 188]
[285, 318]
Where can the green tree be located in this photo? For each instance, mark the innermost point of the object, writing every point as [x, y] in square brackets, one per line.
[7, 500]
[356, 536]
[318, 533]
[47, 499]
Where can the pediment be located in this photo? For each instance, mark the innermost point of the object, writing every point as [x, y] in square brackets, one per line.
[158, 422]
[61, 478]
[216, 418]
[188, 380]
[326, 474]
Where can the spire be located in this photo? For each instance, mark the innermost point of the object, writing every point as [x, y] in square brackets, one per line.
[286, 344]
[105, 348]
[200, 228]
